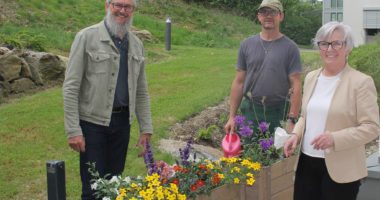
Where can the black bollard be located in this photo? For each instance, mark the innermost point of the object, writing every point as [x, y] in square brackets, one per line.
[168, 31]
[56, 184]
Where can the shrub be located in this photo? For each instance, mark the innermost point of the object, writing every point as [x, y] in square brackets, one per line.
[366, 59]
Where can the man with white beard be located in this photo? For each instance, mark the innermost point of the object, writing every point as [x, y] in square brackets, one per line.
[105, 87]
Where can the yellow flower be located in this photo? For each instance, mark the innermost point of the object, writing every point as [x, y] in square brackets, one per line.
[245, 162]
[250, 181]
[255, 166]
[249, 175]
[221, 176]
[119, 198]
[236, 181]
[181, 197]
[134, 185]
[236, 169]
[133, 198]
[210, 166]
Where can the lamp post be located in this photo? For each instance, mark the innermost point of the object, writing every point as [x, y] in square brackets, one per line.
[56, 180]
[168, 34]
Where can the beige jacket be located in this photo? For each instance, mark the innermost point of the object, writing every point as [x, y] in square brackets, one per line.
[353, 120]
[90, 81]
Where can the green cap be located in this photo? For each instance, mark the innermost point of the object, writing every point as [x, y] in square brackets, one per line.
[274, 4]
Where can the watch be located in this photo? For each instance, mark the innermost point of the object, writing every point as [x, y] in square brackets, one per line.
[293, 120]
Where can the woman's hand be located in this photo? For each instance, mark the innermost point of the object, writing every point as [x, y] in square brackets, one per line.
[290, 145]
[323, 141]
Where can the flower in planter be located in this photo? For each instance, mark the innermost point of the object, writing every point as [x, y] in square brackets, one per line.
[257, 142]
[185, 180]
[202, 176]
[118, 188]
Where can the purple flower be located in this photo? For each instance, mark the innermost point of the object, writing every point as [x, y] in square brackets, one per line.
[245, 131]
[185, 153]
[263, 126]
[266, 144]
[149, 160]
[239, 120]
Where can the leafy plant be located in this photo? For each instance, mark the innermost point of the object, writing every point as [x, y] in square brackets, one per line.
[184, 180]
[257, 142]
[205, 133]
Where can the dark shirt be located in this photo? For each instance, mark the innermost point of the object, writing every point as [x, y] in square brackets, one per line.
[121, 92]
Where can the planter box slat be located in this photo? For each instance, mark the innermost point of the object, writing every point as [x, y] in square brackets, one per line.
[272, 183]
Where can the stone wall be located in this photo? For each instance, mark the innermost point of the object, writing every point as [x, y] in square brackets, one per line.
[22, 70]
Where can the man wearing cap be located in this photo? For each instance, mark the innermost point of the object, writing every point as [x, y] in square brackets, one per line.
[267, 85]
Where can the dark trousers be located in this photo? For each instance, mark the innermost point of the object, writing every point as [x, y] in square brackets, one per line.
[272, 114]
[107, 147]
[313, 182]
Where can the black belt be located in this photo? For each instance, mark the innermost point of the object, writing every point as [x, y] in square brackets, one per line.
[120, 109]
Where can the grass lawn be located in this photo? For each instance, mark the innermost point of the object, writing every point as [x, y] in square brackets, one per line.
[185, 82]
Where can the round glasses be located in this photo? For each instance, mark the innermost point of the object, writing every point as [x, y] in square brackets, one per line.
[120, 6]
[337, 44]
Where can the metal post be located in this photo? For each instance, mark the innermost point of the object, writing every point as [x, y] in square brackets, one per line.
[168, 34]
[56, 185]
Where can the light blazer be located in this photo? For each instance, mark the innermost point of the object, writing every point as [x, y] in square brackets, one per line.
[352, 119]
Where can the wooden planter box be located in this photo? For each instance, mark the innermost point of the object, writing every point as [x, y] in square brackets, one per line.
[273, 183]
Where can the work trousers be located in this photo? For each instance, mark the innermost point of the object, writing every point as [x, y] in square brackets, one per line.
[313, 182]
[106, 147]
[272, 114]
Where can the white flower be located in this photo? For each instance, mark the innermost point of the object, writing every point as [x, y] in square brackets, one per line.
[94, 186]
[114, 179]
[127, 180]
[106, 198]
[139, 178]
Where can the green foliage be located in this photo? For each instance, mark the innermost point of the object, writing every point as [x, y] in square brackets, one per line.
[366, 59]
[302, 20]
[32, 129]
[24, 39]
[205, 133]
[191, 24]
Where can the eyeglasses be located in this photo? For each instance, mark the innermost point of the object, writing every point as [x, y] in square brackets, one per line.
[268, 12]
[337, 44]
[120, 6]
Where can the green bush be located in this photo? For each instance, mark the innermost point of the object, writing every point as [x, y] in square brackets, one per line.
[366, 59]
[24, 40]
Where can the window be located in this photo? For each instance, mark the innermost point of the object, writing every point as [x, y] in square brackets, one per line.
[333, 17]
[340, 17]
[340, 4]
[336, 3]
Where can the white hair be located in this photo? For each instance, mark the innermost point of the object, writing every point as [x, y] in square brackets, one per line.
[327, 30]
[134, 2]
[115, 28]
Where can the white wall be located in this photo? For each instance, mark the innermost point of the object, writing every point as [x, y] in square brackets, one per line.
[353, 16]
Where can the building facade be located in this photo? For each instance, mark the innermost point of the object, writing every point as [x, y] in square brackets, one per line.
[362, 15]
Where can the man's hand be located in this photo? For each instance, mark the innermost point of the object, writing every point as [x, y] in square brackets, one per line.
[77, 143]
[290, 145]
[289, 127]
[143, 140]
[230, 126]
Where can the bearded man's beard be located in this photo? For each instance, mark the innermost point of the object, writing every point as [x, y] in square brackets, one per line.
[115, 28]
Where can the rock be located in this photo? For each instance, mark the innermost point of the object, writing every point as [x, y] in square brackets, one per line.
[172, 147]
[52, 67]
[21, 85]
[4, 50]
[10, 66]
[33, 62]
[143, 35]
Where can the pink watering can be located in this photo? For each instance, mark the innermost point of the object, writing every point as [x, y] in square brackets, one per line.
[231, 145]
